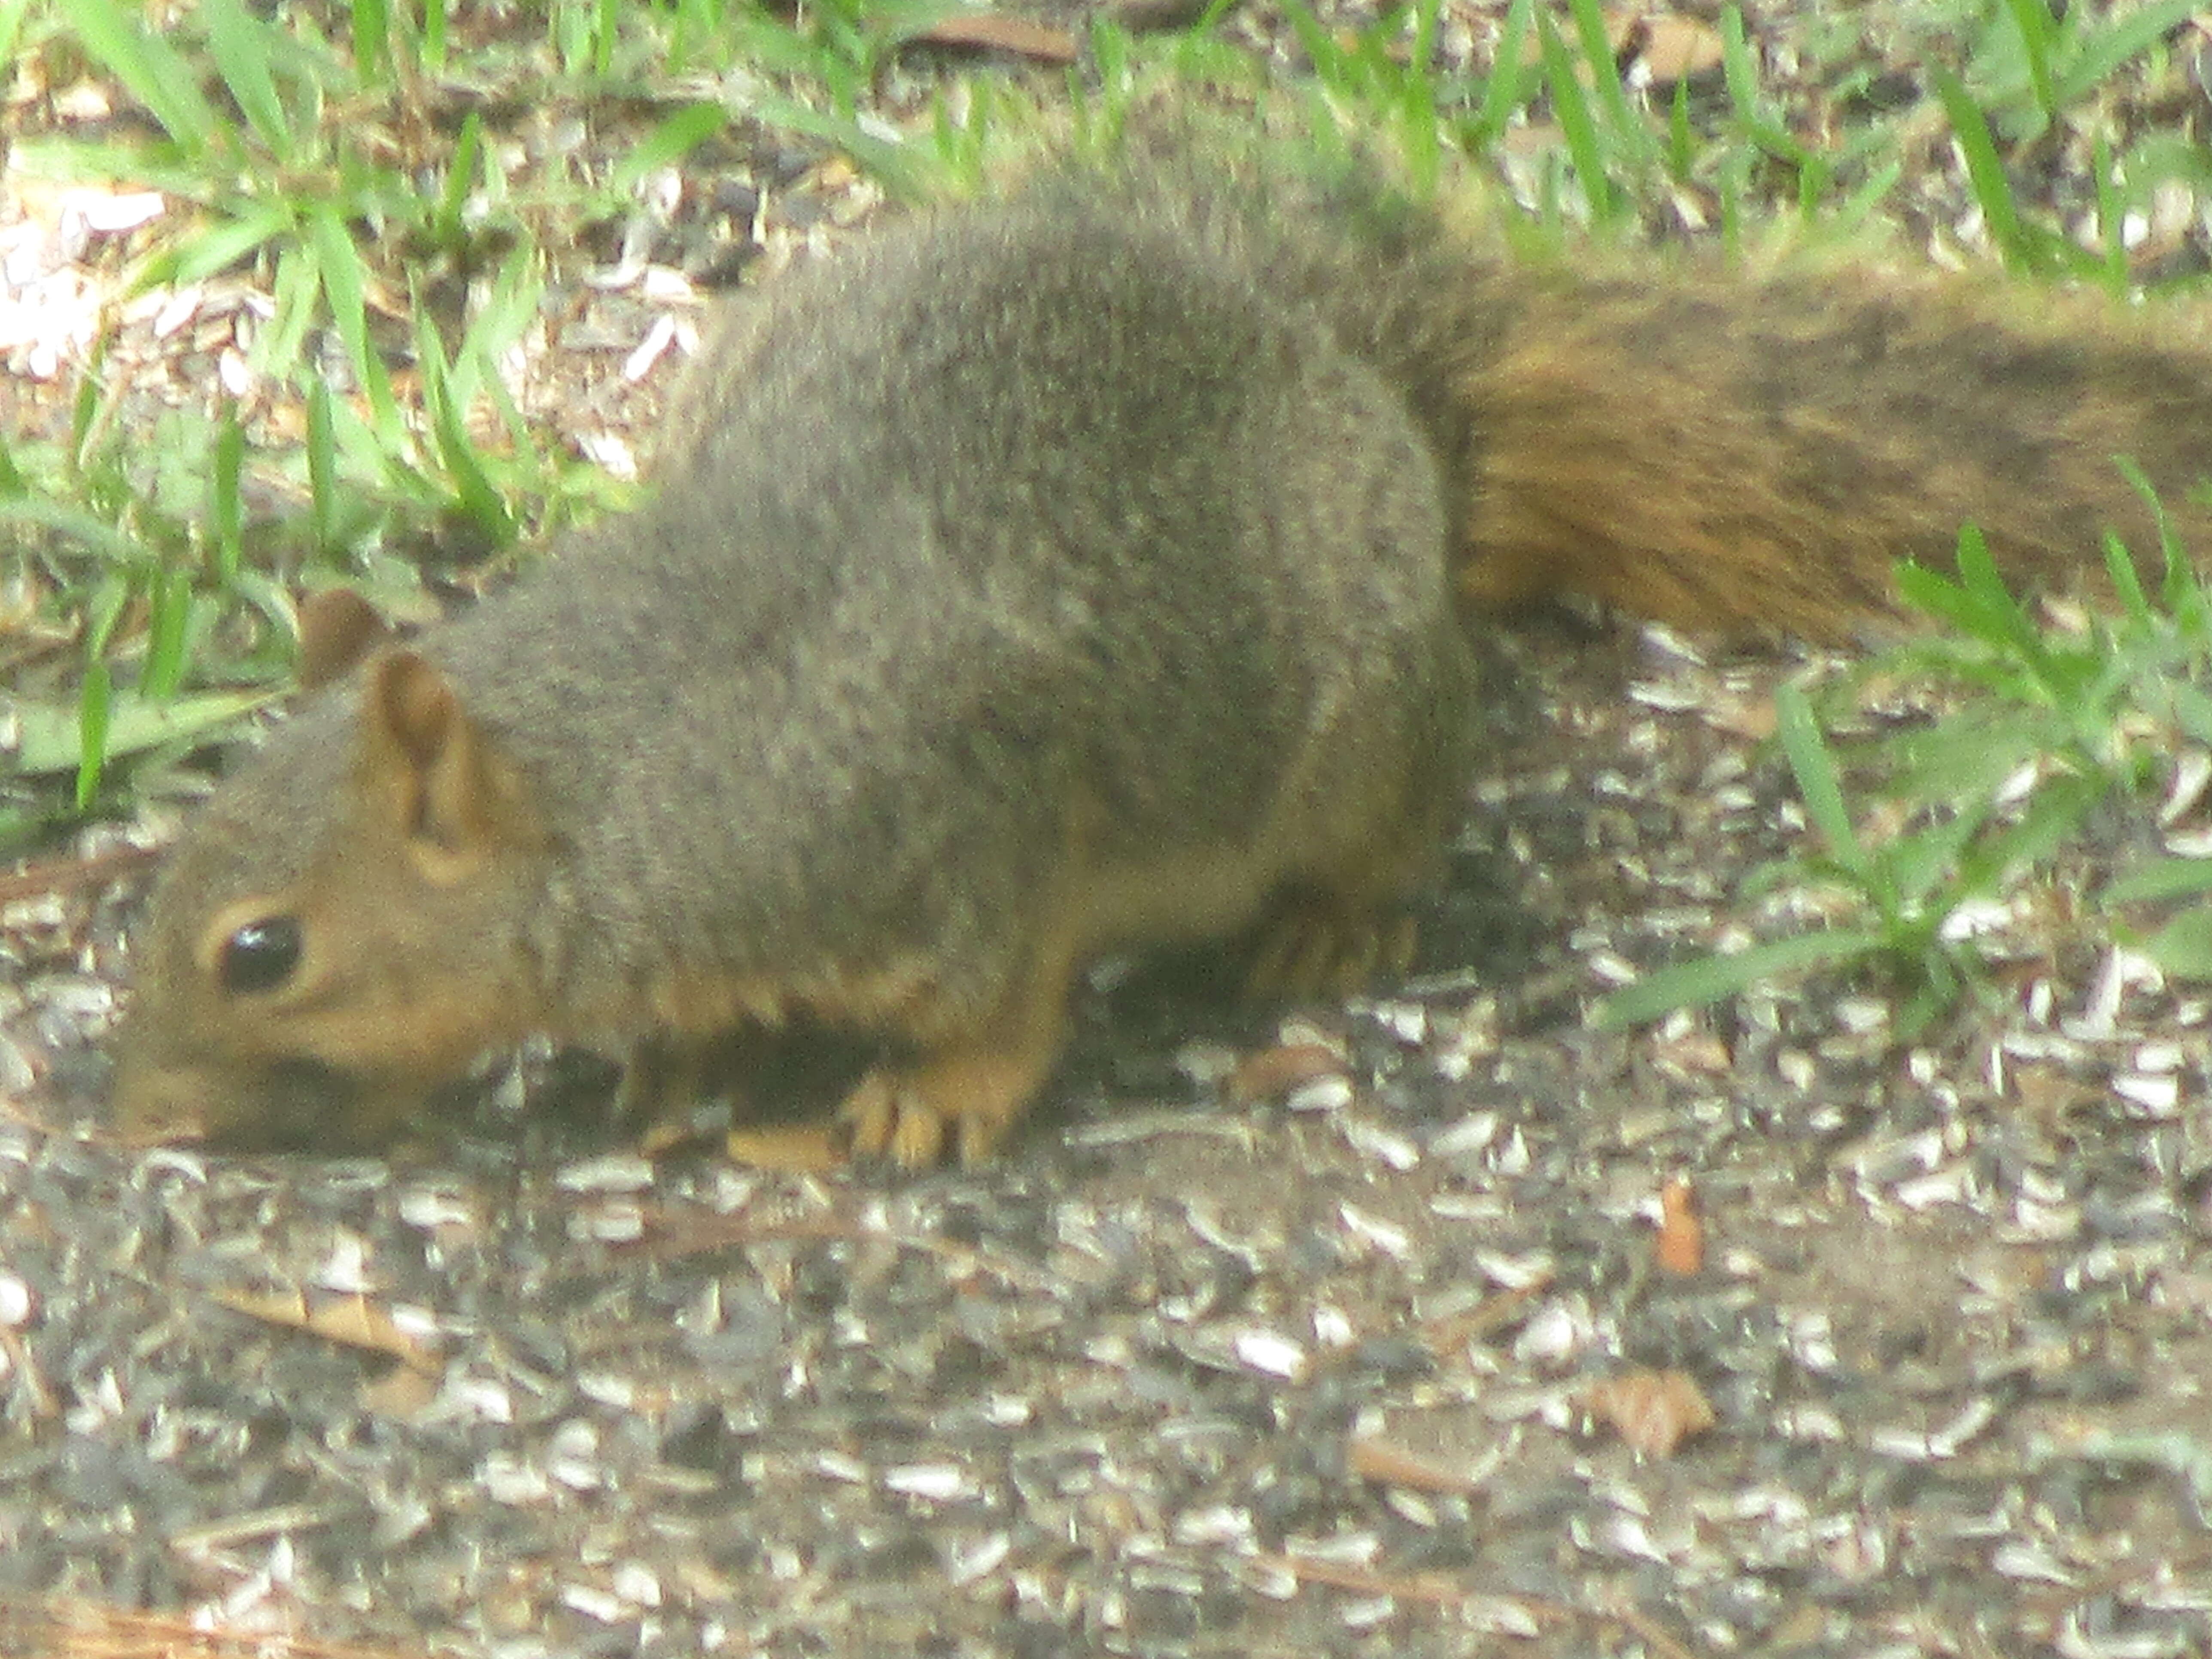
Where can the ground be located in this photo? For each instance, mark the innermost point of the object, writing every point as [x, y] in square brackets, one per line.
[1449, 1322]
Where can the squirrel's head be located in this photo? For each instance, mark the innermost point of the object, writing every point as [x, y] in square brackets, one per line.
[345, 928]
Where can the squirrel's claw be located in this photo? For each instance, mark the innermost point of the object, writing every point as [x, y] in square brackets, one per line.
[886, 1118]
[960, 1103]
[1320, 949]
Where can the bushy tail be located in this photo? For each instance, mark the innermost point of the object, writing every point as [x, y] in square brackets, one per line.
[1760, 453]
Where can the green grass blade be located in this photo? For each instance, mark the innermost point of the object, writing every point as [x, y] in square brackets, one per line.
[2051, 818]
[449, 219]
[2192, 711]
[322, 470]
[2161, 879]
[2127, 583]
[1709, 980]
[1421, 55]
[138, 165]
[605, 32]
[1503, 94]
[1608, 98]
[219, 247]
[372, 44]
[53, 740]
[96, 534]
[1984, 170]
[1570, 107]
[434, 36]
[474, 491]
[510, 305]
[96, 699]
[2181, 590]
[104, 608]
[84, 415]
[1856, 209]
[1941, 598]
[1936, 992]
[12, 13]
[892, 164]
[1739, 75]
[168, 616]
[2036, 29]
[1814, 768]
[1920, 863]
[669, 142]
[296, 288]
[227, 501]
[2104, 45]
[344, 288]
[2182, 947]
[1330, 61]
[151, 69]
[2111, 221]
[1681, 143]
[2003, 619]
[238, 43]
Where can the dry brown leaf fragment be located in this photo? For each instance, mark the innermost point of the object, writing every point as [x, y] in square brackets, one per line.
[1681, 1246]
[1653, 1411]
[402, 1391]
[991, 31]
[1372, 1458]
[1274, 1073]
[61, 1628]
[357, 1321]
[1694, 1054]
[1740, 715]
[1670, 46]
[1675, 47]
[1442, 1337]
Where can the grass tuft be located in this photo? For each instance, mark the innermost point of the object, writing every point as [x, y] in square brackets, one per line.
[2051, 730]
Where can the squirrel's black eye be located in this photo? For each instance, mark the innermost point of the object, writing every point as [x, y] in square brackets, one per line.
[261, 955]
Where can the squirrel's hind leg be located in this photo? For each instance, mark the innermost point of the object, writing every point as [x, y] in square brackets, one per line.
[1344, 923]
[1320, 944]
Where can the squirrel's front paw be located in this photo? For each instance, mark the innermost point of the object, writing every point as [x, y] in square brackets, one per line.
[959, 1104]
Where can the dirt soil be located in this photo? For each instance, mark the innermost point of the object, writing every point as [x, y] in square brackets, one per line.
[1444, 1323]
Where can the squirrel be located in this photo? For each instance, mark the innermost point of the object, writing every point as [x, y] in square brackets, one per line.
[1084, 568]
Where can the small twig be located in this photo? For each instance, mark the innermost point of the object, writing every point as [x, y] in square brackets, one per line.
[1430, 1589]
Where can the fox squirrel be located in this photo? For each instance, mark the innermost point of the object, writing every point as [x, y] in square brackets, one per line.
[1087, 567]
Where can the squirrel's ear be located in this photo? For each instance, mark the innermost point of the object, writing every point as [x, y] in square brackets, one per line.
[337, 629]
[428, 770]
